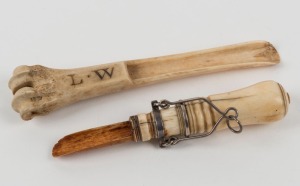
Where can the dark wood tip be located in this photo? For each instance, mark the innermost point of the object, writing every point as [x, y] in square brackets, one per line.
[93, 138]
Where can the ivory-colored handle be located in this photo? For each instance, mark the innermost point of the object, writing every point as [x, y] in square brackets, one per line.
[262, 103]
[39, 90]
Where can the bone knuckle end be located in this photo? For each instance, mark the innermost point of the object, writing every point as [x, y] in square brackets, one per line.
[20, 81]
[25, 92]
[21, 69]
[16, 87]
[14, 106]
[24, 98]
[27, 116]
[18, 105]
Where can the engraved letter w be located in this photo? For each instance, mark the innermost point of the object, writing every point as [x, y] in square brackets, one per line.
[102, 72]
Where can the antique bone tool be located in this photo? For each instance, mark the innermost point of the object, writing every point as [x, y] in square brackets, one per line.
[172, 122]
[39, 90]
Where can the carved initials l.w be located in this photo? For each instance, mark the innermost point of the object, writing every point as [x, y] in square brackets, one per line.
[101, 73]
[74, 82]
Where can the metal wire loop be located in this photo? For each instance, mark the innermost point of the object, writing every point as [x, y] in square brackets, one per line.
[173, 140]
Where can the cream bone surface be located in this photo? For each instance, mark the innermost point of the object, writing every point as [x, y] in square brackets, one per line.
[39, 90]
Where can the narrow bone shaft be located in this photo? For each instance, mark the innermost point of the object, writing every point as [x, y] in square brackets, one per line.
[98, 80]
[122, 75]
[261, 103]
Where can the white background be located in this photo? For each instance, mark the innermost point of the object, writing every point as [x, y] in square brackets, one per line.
[68, 34]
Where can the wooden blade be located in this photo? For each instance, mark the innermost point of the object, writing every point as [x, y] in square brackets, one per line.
[92, 138]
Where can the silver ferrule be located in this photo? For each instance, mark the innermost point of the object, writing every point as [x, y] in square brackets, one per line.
[157, 121]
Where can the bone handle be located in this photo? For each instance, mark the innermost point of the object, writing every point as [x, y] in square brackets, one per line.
[39, 90]
[261, 103]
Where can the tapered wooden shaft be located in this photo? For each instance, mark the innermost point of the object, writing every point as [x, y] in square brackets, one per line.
[262, 103]
[96, 137]
[39, 90]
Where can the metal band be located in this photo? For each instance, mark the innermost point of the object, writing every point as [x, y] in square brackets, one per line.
[160, 132]
[183, 117]
[185, 120]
